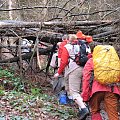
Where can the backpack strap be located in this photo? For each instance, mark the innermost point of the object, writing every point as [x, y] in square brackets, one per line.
[74, 52]
[91, 78]
[112, 86]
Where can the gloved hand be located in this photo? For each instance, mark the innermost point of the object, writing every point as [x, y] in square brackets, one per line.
[56, 75]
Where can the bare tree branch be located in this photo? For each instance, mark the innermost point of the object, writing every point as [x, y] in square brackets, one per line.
[33, 7]
[92, 13]
[114, 10]
[3, 4]
[63, 7]
[79, 4]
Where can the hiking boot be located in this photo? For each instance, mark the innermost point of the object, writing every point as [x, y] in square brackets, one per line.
[70, 100]
[83, 113]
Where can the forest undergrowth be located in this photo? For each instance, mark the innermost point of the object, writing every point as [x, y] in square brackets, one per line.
[27, 100]
[31, 99]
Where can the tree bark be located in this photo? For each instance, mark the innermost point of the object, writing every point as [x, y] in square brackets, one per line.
[105, 34]
[21, 24]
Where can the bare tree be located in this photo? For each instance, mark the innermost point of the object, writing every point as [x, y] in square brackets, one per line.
[13, 15]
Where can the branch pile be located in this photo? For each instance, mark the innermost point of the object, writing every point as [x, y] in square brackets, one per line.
[56, 29]
[52, 32]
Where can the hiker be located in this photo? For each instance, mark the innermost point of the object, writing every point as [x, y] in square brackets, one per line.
[63, 92]
[57, 55]
[74, 74]
[80, 35]
[85, 38]
[94, 93]
[61, 45]
[58, 85]
[54, 61]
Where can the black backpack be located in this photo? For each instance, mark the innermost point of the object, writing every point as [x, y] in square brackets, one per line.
[81, 57]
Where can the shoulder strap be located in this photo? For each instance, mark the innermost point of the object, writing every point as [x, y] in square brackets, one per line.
[74, 53]
[91, 78]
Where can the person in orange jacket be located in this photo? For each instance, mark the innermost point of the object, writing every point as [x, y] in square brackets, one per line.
[80, 35]
[95, 93]
[74, 74]
[87, 38]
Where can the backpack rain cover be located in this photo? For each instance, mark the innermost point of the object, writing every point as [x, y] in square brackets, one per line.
[106, 64]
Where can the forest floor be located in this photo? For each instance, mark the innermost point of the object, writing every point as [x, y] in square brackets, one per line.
[40, 104]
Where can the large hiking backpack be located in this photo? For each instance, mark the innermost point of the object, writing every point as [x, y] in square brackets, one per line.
[81, 56]
[106, 64]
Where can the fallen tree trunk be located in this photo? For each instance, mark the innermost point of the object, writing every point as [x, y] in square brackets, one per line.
[106, 34]
[58, 38]
[80, 23]
[21, 24]
[52, 37]
[48, 37]
[27, 55]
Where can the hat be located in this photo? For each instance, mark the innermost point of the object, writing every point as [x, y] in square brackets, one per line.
[83, 37]
[80, 35]
[88, 38]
